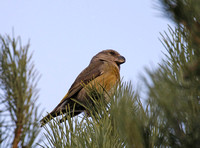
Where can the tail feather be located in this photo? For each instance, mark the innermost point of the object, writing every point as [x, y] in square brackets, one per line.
[62, 108]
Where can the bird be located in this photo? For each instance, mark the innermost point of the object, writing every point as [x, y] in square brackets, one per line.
[103, 70]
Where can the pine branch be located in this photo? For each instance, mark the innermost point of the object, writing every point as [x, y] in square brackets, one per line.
[172, 98]
[116, 124]
[18, 79]
[186, 13]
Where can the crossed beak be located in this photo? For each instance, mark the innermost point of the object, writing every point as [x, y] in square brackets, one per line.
[121, 60]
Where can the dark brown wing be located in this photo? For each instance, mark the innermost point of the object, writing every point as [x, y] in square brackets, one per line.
[91, 72]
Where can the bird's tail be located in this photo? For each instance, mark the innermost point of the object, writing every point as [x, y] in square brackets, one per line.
[58, 110]
[69, 107]
[50, 116]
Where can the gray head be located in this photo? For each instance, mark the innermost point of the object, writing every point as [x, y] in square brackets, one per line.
[109, 56]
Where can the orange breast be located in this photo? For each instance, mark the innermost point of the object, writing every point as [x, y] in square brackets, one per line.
[108, 79]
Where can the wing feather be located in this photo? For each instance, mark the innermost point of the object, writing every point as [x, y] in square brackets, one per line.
[91, 72]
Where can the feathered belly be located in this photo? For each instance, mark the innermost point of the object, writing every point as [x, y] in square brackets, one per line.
[105, 82]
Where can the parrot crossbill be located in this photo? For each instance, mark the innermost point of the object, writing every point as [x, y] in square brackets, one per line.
[103, 70]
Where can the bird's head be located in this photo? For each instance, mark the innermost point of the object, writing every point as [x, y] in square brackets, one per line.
[109, 56]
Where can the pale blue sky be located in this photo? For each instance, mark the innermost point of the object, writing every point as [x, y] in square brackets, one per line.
[66, 34]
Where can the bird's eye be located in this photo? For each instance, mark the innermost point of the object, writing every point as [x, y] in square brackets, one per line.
[112, 53]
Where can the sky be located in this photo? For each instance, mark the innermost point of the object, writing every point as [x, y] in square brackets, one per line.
[65, 34]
